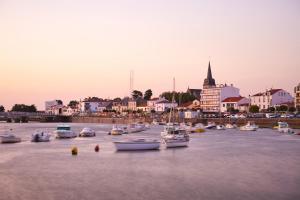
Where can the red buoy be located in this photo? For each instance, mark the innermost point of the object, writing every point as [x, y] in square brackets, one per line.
[97, 148]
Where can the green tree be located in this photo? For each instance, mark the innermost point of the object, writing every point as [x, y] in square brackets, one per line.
[148, 94]
[118, 99]
[180, 97]
[254, 109]
[2, 109]
[292, 109]
[73, 103]
[60, 102]
[271, 109]
[24, 108]
[282, 108]
[135, 94]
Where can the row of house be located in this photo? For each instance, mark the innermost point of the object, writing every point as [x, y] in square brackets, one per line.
[218, 98]
[212, 98]
[96, 105]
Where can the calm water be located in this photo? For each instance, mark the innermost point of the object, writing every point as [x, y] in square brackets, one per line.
[217, 165]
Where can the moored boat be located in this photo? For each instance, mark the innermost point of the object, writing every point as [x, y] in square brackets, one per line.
[64, 131]
[174, 136]
[250, 126]
[10, 138]
[87, 132]
[283, 127]
[230, 126]
[40, 136]
[136, 127]
[137, 144]
[210, 125]
[118, 130]
[220, 127]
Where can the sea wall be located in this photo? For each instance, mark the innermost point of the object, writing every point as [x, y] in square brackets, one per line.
[261, 122]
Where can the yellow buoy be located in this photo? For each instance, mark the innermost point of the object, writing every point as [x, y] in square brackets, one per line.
[74, 151]
[200, 130]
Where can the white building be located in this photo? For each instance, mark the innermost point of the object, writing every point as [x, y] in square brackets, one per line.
[191, 114]
[238, 103]
[164, 105]
[271, 98]
[212, 95]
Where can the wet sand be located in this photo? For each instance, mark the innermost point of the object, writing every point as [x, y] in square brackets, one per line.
[217, 165]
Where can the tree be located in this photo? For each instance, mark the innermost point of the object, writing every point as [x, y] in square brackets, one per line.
[118, 99]
[271, 109]
[135, 94]
[180, 97]
[148, 94]
[59, 102]
[73, 103]
[24, 108]
[2, 109]
[254, 109]
[292, 109]
[282, 108]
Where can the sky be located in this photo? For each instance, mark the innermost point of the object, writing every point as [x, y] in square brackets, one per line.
[57, 49]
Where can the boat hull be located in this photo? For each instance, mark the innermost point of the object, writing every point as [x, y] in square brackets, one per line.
[10, 140]
[65, 134]
[132, 146]
[176, 143]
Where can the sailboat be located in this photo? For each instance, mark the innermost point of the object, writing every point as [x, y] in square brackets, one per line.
[174, 136]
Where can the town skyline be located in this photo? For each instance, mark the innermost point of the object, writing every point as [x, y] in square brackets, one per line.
[72, 50]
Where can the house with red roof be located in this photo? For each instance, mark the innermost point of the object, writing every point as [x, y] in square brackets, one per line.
[238, 103]
[271, 98]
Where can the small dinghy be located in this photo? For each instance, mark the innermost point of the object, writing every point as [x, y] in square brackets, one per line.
[210, 125]
[118, 130]
[220, 127]
[87, 132]
[250, 126]
[40, 136]
[137, 144]
[10, 138]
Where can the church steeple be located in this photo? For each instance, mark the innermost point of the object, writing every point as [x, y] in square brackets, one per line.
[209, 81]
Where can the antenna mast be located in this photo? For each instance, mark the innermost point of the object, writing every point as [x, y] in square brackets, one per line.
[131, 82]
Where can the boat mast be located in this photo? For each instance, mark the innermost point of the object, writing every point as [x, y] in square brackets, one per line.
[173, 99]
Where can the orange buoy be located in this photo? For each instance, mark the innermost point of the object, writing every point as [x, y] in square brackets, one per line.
[74, 151]
[97, 148]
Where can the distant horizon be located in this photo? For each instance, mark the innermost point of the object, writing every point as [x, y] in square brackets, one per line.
[73, 49]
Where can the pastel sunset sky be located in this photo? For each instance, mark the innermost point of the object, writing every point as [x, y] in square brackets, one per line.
[56, 49]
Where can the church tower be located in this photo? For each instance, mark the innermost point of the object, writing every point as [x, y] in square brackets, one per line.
[209, 81]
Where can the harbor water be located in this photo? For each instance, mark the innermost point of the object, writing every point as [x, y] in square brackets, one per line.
[228, 164]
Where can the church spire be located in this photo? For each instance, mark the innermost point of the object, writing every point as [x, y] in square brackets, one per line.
[209, 81]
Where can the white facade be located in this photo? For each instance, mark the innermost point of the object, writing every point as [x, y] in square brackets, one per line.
[212, 97]
[191, 114]
[86, 106]
[234, 102]
[164, 105]
[271, 98]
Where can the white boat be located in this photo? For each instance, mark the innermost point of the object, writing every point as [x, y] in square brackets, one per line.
[283, 127]
[118, 130]
[174, 136]
[137, 144]
[64, 131]
[210, 125]
[220, 127]
[250, 126]
[40, 136]
[136, 127]
[230, 126]
[155, 122]
[87, 132]
[10, 138]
